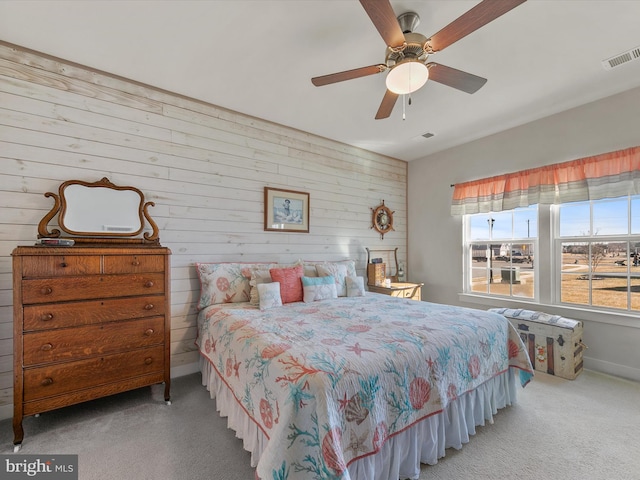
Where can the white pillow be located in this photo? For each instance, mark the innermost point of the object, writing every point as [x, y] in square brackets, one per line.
[259, 274]
[318, 288]
[355, 286]
[338, 271]
[269, 295]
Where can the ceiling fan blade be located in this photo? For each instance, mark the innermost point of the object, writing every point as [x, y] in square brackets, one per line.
[452, 77]
[388, 102]
[469, 22]
[348, 75]
[383, 17]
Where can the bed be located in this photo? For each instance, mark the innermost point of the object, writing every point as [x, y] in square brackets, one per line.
[362, 387]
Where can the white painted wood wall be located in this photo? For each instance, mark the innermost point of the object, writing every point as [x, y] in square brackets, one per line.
[204, 167]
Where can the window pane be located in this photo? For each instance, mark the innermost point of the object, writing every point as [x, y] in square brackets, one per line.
[525, 223]
[501, 225]
[574, 288]
[635, 214]
[574, 219]
[523, 259]
[478, 227]
[497, 266]
[610, 217]
[479, 282]
[575, 257]
[574, 279]
[479, 252]
[609, 283]
[635, 289]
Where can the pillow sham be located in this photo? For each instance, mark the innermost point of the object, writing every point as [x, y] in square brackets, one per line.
[355, 286]
[290, 283]
[259, 274]
[269, 294]
[318, 288]
[338, 272]
[223, 283]
[310, 265]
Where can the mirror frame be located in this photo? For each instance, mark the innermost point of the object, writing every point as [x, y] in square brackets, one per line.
[61, 207]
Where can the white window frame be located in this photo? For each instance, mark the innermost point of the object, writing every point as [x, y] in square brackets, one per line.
[548, 280]
[591, 237]
[468, 260]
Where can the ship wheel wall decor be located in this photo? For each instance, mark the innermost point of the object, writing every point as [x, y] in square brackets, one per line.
[382, 219]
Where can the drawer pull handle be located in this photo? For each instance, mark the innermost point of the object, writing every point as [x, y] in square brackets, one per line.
[47, 381]
[46, 317]
[148, 361]
[149, 332]
[46, 290]
[149, 284]
[46, 347]
[63, 265]
[149, 306]
[135, 263]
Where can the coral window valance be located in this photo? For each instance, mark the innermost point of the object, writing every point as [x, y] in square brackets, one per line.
[609, 175]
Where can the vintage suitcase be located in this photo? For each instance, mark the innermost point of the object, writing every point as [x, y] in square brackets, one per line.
[554, 342]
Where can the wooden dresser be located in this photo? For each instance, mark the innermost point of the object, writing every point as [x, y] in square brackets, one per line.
[403, 290]
[89, 321]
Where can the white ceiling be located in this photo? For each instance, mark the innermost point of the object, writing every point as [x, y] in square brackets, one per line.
[257, 57]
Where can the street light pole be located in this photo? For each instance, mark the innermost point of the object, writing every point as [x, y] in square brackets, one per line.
[490, 222]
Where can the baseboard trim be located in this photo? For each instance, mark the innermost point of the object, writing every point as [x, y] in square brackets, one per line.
[183, 370]
[613, 369]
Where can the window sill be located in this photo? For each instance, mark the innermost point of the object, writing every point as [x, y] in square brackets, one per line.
[579, 313]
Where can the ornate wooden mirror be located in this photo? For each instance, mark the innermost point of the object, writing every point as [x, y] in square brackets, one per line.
[99, 212]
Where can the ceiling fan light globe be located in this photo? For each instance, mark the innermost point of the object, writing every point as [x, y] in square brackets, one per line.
[407, 77]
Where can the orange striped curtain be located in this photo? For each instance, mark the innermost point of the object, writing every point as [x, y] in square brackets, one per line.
[609, 175]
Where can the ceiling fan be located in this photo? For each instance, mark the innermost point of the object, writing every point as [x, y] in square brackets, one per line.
[407, 52]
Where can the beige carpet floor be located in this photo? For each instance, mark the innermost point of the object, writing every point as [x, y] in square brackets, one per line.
[571, 430]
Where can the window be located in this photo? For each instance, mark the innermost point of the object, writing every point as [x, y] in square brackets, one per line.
[500, 253]
[597, 249]
[592, 259]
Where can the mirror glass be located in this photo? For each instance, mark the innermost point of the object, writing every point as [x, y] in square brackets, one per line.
[101, 211]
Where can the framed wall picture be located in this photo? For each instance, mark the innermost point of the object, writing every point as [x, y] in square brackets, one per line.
[286, 210]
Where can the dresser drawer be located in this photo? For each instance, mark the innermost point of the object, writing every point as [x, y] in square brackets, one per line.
[44, 290]
[47, 381]
[90, 340]
[46, 316]
[133, 263]
[60, 265]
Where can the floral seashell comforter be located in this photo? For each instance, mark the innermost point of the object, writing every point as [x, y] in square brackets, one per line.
[330, 382]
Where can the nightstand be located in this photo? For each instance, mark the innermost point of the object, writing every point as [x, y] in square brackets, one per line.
[402, 290]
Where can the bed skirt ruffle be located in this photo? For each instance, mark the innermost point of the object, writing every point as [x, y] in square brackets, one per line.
[400, 457]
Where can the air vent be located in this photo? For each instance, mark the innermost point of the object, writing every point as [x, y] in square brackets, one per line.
[633, 54]
[428, 135]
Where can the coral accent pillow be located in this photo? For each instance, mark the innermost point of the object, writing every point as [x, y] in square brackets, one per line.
[290, 280]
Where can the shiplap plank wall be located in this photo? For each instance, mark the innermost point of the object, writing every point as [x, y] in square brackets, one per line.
[204, 167]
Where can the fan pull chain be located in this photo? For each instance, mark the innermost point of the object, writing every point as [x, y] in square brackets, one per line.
[404, 108]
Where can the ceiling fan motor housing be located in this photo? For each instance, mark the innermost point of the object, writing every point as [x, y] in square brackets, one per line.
[415, 49]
